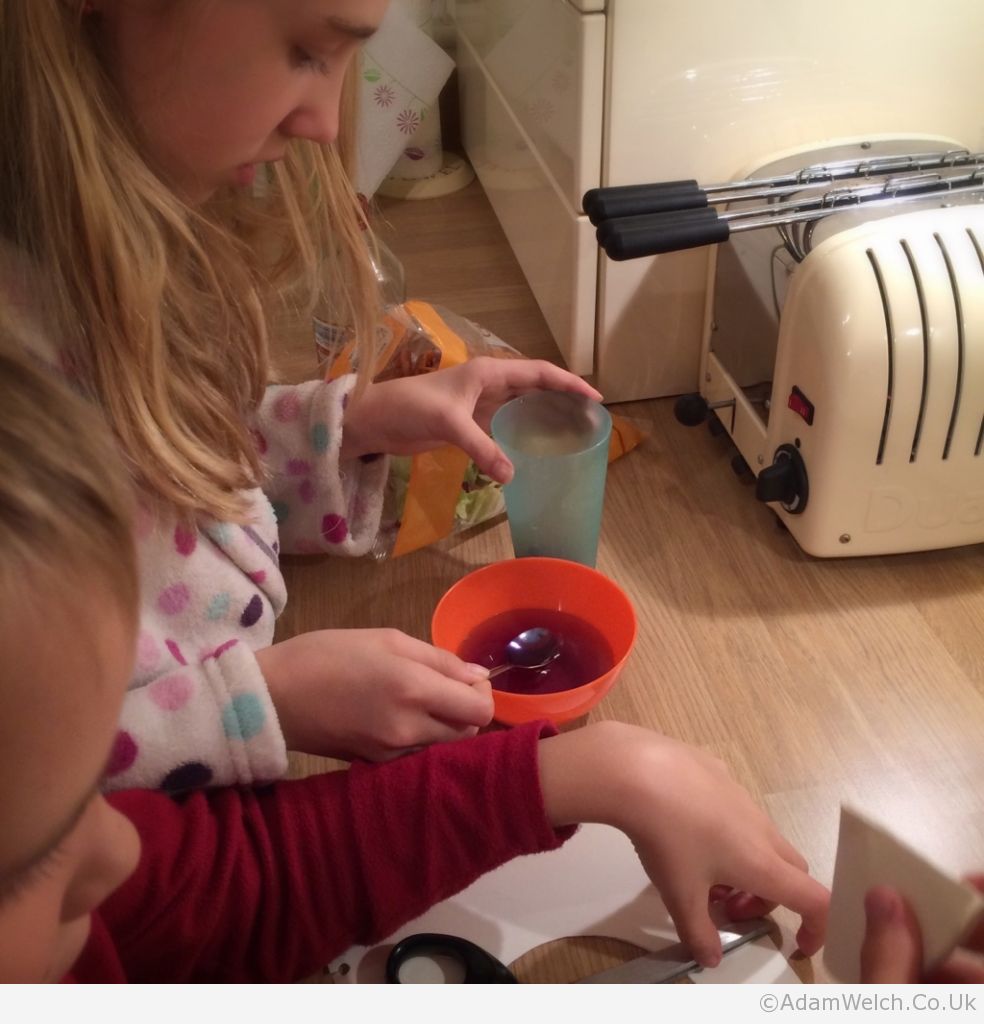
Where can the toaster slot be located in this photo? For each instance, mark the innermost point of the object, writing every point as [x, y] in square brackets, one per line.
[890, 355]
[924, 324]
[961, 343]
[975, 242]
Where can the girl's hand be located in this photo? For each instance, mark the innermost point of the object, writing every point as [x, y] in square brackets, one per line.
[699, 835]
[892, 949]
[372, 693]
[453, 406]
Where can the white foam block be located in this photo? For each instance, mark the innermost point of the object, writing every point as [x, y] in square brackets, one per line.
[868, 855]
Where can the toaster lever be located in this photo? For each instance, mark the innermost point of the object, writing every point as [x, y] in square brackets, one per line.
[785, 481]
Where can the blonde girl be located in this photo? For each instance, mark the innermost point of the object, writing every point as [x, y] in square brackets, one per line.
[133, 132]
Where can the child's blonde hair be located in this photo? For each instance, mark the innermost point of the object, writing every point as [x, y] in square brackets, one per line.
[65, 500]
[163, 308]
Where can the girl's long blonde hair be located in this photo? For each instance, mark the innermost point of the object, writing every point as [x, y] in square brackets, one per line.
[164, 308]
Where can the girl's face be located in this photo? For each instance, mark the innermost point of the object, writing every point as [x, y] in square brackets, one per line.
[63, 849]
[217, 86]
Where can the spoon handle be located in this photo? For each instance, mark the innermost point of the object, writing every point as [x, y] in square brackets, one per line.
[499, 669]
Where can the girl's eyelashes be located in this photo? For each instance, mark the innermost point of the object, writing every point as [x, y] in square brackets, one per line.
[22, 880]
[306, 61]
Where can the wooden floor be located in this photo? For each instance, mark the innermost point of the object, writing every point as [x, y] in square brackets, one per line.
[817, 681]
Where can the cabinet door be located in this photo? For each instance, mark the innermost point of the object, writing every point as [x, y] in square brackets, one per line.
[554, 245]
[547, 60]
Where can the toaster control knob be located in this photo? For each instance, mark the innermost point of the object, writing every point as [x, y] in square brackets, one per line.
[785, 481]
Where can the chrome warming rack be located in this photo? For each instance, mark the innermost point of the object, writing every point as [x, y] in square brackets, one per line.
[634, 221]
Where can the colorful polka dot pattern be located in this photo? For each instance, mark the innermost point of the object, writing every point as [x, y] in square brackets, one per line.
[243, 717]
[191, 775]
[185, 541]
[221, 649]
[334, 528]
[174, 599]
[320, 438]
[123, 754]
[215, 583]
[252, 613]
[175, 652]
[303, 494]
[171, 693]
[218, 607]
[287, 407]
[221, 533]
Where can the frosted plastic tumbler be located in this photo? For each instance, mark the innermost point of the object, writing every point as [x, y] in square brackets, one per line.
[558, 444]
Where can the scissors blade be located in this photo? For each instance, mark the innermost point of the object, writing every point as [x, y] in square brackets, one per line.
[675, 961]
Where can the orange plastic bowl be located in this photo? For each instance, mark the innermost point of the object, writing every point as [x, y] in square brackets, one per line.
[549, 583]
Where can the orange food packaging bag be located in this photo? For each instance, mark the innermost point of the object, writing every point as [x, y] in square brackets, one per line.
[434, 494]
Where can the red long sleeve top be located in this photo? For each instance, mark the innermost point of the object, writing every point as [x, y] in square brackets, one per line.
[270, 884]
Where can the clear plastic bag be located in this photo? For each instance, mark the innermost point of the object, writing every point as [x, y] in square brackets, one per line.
[437, 493]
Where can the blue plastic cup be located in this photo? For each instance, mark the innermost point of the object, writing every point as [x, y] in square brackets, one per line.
[558, 444]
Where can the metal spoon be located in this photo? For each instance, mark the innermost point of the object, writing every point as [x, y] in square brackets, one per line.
[533, 648]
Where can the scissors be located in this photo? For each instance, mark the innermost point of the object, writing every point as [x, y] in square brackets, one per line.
[476, 966]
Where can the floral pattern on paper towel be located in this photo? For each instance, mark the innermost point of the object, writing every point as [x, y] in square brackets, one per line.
[408, 121]
[384, 95]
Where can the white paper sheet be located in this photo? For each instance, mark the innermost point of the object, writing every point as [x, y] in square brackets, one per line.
[593, 885]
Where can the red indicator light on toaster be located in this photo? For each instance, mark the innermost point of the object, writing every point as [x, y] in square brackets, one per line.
[801, 405]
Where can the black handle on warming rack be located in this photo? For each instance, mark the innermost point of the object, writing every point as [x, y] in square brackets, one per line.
[629, 238]
[601, 204]
[652, 234]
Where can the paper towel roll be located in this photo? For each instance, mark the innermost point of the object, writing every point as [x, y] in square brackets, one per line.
[421, 12]
[423, 154]
[403, 72]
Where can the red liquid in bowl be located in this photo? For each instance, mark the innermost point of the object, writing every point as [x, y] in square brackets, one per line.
[584, 652]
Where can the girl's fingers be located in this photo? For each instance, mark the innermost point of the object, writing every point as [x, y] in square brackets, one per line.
[775, 880]
[961, 968]
[686, 900]
[891, 953]
[440, 660]
[445, 687]
[743, 905]
[738, 904]
[453, 704]
[539, 374]
[472, 439]
[789, 853]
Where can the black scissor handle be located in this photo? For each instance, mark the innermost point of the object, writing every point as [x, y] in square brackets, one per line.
[481, 968]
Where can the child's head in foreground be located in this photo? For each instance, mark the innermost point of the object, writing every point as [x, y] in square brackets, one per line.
[68, 594]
